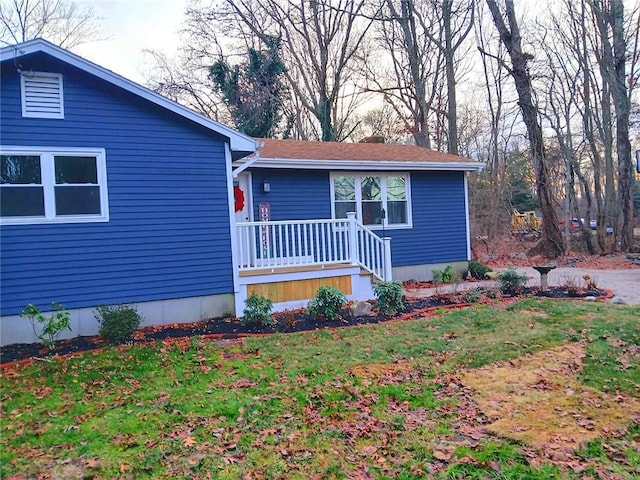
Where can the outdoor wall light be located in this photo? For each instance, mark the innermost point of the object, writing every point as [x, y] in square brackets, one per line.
[266, 186]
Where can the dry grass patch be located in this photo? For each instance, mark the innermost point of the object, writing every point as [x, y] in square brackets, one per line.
[533, 313]
[538, 400]
[379, 370]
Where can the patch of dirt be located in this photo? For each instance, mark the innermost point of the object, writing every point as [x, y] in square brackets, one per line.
[538, 400]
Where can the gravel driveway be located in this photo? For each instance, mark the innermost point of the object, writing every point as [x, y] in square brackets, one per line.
[625, 284]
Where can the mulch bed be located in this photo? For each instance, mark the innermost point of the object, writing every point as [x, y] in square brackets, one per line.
[287, 321]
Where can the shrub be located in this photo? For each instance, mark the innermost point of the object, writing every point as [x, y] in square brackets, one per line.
[389, 295]
[456, 278]
[437, 276]
[327, 303]
[257, 309]
[493, 294]
[570, 282]
[478, 270]
[511, 282]
[52, 326]
[471, 296]
[443, 276]
[118, 322]
[591, 282]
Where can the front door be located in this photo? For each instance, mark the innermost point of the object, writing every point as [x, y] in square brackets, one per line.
[242, 197]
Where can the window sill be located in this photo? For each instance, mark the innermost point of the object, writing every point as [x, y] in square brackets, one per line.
[41, 221]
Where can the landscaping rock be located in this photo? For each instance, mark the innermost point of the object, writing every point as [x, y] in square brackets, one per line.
[618, 301]
[518, 256]
[491, 275]
[361, 309]
[590, 299]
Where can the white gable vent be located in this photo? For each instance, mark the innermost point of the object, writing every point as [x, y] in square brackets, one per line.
[42, 95]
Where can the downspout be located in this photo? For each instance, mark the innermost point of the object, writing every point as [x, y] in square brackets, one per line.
[466, 214]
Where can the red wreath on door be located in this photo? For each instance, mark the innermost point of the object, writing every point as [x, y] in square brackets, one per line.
[238, 197]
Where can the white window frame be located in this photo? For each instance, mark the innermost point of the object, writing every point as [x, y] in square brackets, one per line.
[23, 92]
[47, 172]
[383, 194]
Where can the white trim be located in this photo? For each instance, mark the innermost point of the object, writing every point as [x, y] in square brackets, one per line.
[239, 142]
[39, 108]
[303, 275]
[466, 214]
[235, 264]
[378, 165]
[47, 155]
[383, 193]
[249, 161]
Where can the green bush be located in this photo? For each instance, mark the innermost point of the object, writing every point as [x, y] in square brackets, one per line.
[327, 303]
[117, 322]
[511, 282]
[389, 295]
[437, 275]
[443, 276]
[257, 309]
[478, 270]
[52, 326]
[471, 296]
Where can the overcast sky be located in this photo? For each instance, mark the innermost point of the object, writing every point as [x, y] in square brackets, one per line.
[131, 26]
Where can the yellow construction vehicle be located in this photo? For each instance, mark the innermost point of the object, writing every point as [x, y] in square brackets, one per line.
[523, 223]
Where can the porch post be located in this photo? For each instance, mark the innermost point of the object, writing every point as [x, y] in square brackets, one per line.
[353, 237]
[387, 274]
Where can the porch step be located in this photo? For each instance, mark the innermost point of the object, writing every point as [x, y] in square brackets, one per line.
[294, 269]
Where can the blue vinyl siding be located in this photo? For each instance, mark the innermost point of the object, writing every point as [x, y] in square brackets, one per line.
[439, 232]
[168, 234]
[294, 195]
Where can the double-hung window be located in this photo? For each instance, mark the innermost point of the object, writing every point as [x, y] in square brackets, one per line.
[57, 185]
[378, 199]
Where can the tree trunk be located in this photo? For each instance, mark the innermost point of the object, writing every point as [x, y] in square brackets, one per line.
[623, 145]
[452, 117]
[551, 240]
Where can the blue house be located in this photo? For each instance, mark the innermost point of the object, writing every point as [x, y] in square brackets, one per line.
[112, 194]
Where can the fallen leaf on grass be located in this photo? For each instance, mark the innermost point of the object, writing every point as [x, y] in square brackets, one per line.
[189, 441]
[243, 383]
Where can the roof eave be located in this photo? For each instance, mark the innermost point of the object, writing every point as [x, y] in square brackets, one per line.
[390, 165]
[241, 144]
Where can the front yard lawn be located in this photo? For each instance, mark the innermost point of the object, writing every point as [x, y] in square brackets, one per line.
[538, 389]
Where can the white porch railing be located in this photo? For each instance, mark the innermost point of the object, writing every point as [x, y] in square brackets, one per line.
[312, 242]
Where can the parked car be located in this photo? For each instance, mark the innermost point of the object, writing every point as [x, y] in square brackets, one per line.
[593, 224]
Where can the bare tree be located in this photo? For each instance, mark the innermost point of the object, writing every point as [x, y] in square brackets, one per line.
[456, 22]
[551, 243]
[185, 80]
[410, 77]
[62, 22]
[319, 44]
[622, 106]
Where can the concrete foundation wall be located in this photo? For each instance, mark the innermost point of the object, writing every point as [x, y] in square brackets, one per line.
[423, 272]
[14, 329]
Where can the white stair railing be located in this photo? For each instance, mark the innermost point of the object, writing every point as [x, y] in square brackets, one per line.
[372, 252]
[312, 242]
